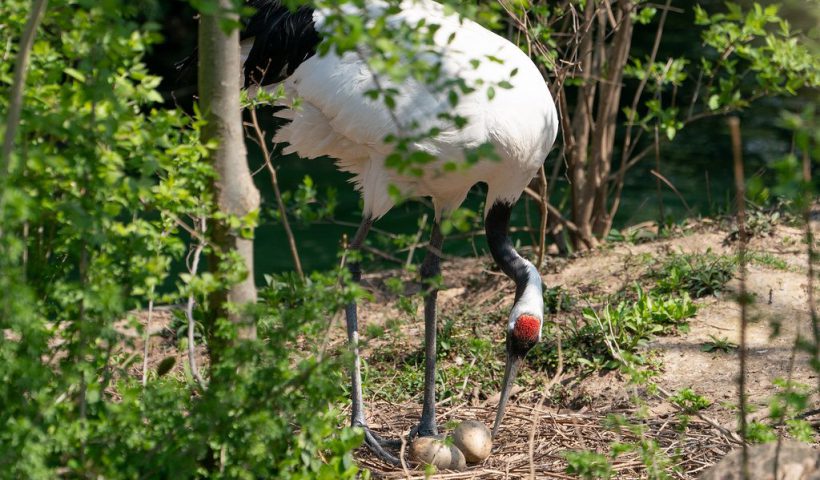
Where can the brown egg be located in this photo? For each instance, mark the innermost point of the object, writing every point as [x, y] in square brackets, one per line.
[434, 451]
[474, 440]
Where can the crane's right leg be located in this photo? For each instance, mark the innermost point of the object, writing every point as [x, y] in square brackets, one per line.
[373, 441]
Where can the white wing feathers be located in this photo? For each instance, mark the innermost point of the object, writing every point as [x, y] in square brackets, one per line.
[334, 117]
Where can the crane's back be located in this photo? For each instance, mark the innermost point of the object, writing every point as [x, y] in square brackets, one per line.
[509, 107]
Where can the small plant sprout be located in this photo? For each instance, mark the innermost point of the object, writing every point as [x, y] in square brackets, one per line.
[689, 401]
[588, 465]
[716, 344]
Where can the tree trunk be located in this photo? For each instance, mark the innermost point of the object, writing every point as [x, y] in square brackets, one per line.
[590, 136]
[604, 141]
[234, 190]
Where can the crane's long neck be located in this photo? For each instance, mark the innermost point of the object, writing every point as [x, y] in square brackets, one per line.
[527, 314]
[521, 271]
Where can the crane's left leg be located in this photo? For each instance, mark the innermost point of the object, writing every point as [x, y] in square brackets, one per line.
[373, 441]
[430, 271]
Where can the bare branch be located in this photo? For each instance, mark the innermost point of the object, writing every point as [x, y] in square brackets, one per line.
[627, 145]
[147, 337]
[266, 154]
[189, 308]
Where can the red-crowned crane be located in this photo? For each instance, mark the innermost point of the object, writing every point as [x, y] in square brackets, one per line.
[336, 118]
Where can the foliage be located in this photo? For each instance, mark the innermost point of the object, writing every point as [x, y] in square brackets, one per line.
[787, 405]
[762, 44]
[716, 344]
[758, 432]
[95, 217]
[761, 219]
[557, 299]
[630, 324]
[609, 335]
[748, 52]
[689, 401]
[698, 274]
[588, 465]
[656, 461]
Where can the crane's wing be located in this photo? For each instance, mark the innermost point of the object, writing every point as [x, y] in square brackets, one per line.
[468, 62]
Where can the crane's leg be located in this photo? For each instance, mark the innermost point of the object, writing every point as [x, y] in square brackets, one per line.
[375, 442]
[430, 271]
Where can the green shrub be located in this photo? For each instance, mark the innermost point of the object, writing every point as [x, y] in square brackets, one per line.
[94, 219]
[629, 324]
[690, 401]
[588, 465]
[609, 334]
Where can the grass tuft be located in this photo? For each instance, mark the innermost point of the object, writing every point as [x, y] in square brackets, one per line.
[698, 274]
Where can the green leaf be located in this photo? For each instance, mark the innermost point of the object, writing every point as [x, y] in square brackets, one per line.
[166, 365]
[452, 97]
[75, 74]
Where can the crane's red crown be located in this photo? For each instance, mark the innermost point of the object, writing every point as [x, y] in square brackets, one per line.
[527, 328]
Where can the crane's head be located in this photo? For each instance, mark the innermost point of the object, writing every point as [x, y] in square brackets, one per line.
[523, 332]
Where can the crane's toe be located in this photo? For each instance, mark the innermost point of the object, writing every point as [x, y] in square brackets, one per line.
[377, 445]
[384, 442]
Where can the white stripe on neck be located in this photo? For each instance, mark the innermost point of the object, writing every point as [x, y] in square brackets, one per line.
[531, 301]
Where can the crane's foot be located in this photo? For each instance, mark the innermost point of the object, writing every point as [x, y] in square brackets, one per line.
[378, 444]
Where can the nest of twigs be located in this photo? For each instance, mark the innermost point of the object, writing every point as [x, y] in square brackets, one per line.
[534, 440]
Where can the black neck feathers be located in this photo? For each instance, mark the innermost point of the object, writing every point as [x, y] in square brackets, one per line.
[283, 39]
[496, 225]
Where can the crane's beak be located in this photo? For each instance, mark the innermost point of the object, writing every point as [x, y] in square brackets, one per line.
[510, 371]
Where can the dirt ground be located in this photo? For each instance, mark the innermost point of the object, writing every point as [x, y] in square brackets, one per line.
[781, 298]
[781, 302]
[536, 434]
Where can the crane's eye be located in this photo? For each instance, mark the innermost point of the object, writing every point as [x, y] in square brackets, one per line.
[526, 329]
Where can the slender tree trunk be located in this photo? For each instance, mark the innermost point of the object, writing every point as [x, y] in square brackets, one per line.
[581, 127]
[236, 194]
[602, 54]
[606, 123]
[19, 82]
[16, 95]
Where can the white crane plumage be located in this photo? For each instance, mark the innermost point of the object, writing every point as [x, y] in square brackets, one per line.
[336, 118]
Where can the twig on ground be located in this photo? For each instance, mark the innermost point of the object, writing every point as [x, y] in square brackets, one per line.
[730, 435]
[401, 456]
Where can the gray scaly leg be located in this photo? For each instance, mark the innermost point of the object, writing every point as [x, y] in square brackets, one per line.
[430, 269]
[373, 441]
